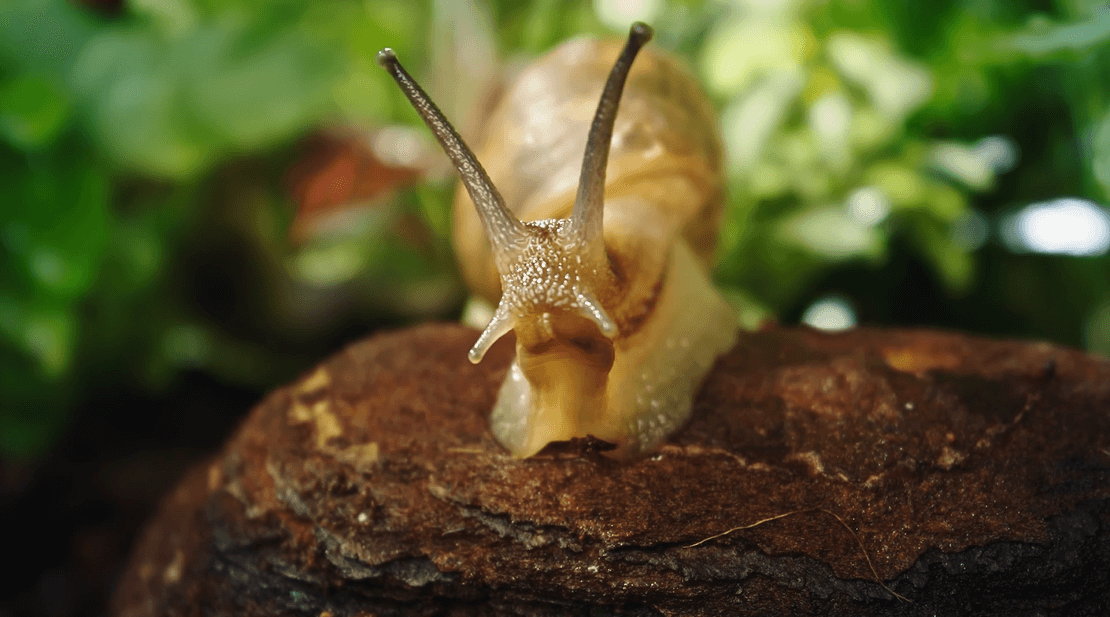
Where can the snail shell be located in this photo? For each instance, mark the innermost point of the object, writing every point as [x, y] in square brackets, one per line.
[599, 263]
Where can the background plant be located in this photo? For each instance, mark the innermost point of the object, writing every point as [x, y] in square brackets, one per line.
[234, 187]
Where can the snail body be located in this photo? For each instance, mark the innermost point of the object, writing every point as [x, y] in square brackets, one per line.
[600, 266]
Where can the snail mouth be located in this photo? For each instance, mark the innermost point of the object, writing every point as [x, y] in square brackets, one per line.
[566, 360]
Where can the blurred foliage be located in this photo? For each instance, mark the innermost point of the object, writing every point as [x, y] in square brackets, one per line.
[163, 207]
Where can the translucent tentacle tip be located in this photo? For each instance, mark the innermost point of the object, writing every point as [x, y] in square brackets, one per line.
[641, 31]
[386, 57]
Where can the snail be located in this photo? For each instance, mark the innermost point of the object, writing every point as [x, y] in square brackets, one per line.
[603, 272]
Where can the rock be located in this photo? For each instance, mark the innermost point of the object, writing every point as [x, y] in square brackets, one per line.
[872, 472]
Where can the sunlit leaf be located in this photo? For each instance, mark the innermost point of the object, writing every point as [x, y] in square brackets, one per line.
[832, 233]
[171, 15]
[901, 184]
[740, 50]
[1043, 38]
[896, 86]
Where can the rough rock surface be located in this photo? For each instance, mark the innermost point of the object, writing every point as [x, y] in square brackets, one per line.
[966, 476]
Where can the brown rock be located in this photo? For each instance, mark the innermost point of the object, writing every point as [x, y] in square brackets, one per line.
[967, 476]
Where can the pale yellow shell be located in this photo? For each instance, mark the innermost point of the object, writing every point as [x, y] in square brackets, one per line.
[665, 149]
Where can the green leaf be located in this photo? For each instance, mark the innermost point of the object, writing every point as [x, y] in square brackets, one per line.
[137, 109]
[833, 234]
[32, 111]
[1042, 38]
[902, 184]
[1100, 153]
[56, 227]
[936, 243]
[44, 331]
[1097, 330]
[170, 15]
[252, 94]
[172, 106]
[42, 36]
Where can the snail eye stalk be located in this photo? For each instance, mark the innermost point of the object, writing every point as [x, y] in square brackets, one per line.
[502, 227]
[589, 203]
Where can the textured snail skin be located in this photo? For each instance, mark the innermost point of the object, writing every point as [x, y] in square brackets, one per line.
[632, 383]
